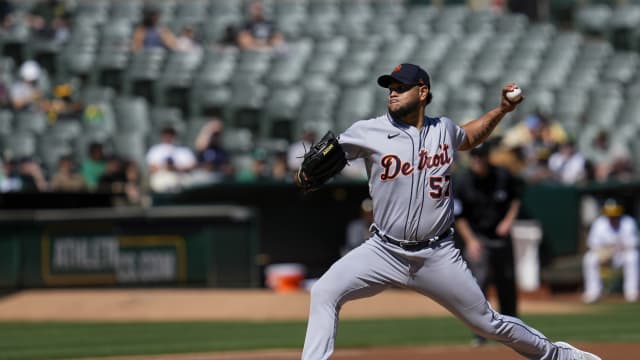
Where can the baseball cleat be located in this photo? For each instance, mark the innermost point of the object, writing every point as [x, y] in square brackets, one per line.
[590, 298]
[577, 353]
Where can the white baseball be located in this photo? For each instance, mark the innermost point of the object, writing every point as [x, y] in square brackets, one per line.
[515, 94]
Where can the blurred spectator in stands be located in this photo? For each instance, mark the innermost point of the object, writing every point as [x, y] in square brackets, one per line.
[212, 157]
[67, 178]
[13, 180]
[622, 169]
[113, 178]
[133, 182]
[229, 39]
[357, 230]
[297, 149]
[258, 169]
[32, 175]
[63, 105]
[535, 132]
[151, 34]
[355, 170]
[260, 33]
[533, 141]
[5, 98]
[609, 160]
[279, 169]
[567, 164]
[169, 162]
[187, 41]
[94, 165]
[26, 93]
[612, 240]
[537, 169]
[50, 19]
[6, 16]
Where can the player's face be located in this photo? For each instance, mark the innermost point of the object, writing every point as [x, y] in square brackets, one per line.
[403, 99]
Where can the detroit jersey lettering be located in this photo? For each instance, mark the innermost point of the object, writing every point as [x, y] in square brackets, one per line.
[409, 176]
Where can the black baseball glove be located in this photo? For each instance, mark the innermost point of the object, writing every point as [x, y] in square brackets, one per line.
[325, 159]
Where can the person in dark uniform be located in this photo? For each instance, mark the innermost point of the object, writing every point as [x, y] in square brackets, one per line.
[486, 205]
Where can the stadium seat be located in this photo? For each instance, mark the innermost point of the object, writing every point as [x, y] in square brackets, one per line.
[480, 21]
[30, 121]
[593, 19]
[246, 105]
[50, 150]
[132, 115]
[451, 20]
[419, 20]
[12, 42]
[143, 70]
[280, 112]
[19, 145]
[96, 94]
[355, 103]
[289, 69]
[127, 10]
[621, 67]
[623, 26]
[130, 146]
[6, 122]
[322, 19]
[162, 117]
[237, 140]
[430, 57]
[91, 12]
[173, 85]
[193, 11]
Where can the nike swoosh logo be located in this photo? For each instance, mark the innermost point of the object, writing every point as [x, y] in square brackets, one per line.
[389, 136]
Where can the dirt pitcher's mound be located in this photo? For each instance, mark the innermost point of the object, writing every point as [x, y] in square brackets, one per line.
[211, 304]
[491, 352]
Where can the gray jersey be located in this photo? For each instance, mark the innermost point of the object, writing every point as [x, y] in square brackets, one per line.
[409, 172]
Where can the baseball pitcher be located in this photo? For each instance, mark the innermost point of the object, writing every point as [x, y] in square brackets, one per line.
[409, 157]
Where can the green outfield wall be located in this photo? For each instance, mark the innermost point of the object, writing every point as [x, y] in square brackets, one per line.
[188, 245]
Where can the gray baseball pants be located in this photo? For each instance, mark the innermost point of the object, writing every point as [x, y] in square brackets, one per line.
[438, 272]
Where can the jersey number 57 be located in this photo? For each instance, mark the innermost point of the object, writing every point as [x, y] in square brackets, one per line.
[439, 187]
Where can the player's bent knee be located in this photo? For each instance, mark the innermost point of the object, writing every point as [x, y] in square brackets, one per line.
[323, 292]
[487, 322]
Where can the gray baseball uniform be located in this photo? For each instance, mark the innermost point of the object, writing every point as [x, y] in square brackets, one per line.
[410, 184]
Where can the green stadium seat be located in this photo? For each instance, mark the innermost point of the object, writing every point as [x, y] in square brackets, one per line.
[28, 121]
[19, 145]
[593, 19]
[130, 146]
[143, 70]
[280, 113]
[127, 10]
[162, 117]
[132, 115]
[6, 122]
[50, 150]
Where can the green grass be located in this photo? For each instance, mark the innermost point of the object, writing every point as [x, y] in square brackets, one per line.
[64, 340]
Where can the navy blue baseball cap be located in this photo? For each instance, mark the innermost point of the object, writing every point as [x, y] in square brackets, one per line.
[408, 74]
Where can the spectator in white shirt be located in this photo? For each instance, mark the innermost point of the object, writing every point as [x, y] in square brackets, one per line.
[168, 162]
[567, 164]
